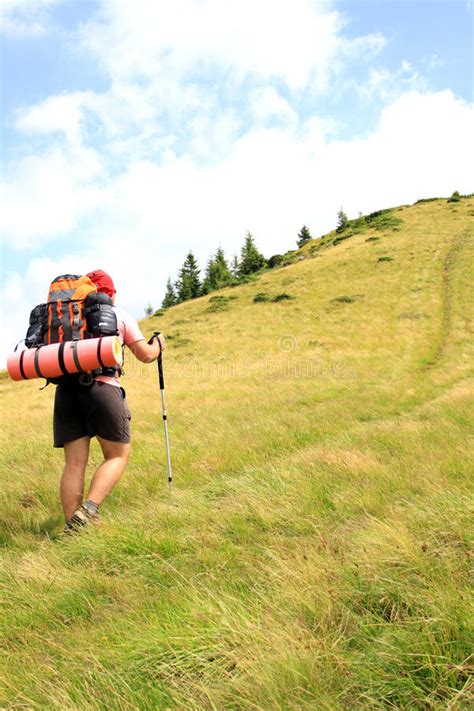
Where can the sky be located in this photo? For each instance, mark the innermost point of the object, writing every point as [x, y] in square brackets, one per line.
[135, 130]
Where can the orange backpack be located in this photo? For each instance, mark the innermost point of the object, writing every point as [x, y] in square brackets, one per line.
[65, 308]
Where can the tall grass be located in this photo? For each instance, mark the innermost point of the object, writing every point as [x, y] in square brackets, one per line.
[317, 551]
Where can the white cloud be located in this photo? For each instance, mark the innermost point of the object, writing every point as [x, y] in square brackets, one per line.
[434, 62]
[266, 103]
[267, 179]
[61, 114]
[189, 73]
[168, 50]
[385, 84]
[287, 40]
[47, 194]
[25, 17]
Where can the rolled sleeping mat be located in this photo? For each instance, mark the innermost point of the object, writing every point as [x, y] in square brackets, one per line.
[71, 357]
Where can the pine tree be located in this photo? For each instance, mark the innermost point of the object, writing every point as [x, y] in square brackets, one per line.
[223, 271]
[251, 259]
[182, 288]
[304, 236]
[170, 296]
[188, 284]
[342, 220]
[149, 310]
[234, 267]
[193, 271]
[208, 278]
[217, 272]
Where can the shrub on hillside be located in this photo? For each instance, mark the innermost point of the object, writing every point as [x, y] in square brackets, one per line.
[217, 307]
[282, 297]
[221, 298]
[378, 220]
[341, 238]
[260, 297]
[275, 261]
[218, 303]
[383, 220]
[455, 197]
[346, 299]
[343, 300]
[289, 257]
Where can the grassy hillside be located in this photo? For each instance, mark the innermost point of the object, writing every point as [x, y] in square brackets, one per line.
[316, 551]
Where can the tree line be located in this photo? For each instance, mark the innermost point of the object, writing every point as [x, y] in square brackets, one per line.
[219, 272]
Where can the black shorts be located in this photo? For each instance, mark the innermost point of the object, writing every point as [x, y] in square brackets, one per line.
[98, 410]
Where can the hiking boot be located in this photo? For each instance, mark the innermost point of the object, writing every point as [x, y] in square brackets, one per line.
[80, 518]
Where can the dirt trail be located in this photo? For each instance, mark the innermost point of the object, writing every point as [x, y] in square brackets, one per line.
[446, 320]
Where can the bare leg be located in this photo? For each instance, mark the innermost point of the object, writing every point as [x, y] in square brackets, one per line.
[76, 454]
[107, 475]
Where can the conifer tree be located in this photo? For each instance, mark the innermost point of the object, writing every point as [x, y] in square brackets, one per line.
[188, 284]
[342, 220]
[251, 259]
[234, 267]
[193, 271]
[207, 282]
[170, 296]
[217, 272]
[304, 236]
[182, 288]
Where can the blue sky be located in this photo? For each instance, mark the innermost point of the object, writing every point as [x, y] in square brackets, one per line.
[133, 131]
[422, 32]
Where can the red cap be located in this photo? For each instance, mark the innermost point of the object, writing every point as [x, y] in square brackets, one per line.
[103, 282]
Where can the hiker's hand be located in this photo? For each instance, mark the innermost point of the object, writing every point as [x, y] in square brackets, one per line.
[148, 352]
[161, 340]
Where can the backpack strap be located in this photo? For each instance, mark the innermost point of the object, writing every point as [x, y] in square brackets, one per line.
[99, 357]
[76, 357]
[61, 363]
[23, 374]
[36, 363]
[76, 322]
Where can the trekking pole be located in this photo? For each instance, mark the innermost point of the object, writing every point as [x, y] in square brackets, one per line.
[165, 417]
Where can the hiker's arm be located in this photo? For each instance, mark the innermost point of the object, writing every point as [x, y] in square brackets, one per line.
[148, 352]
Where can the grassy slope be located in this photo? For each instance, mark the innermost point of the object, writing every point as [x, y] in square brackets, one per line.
[315, 553]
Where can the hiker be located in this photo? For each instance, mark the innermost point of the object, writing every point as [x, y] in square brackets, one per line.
[101, 410]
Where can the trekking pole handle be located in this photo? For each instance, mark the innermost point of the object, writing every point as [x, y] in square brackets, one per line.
[160, 373]
[159, 361]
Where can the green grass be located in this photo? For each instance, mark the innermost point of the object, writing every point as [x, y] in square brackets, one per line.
[317, 551]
